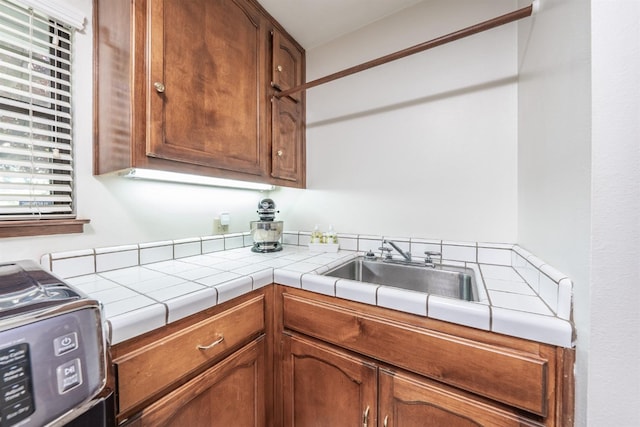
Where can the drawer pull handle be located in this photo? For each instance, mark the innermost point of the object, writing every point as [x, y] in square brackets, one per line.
[365, 417]
[386, 421]
[213, 344]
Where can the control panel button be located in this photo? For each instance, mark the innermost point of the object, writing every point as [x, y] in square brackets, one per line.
[14, 372]
[18, 411]
[65, 343]
[69, 375]
[14, 392]
[13, 354]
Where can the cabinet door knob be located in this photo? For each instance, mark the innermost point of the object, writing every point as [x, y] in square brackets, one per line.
[159, 87]
[279, 153]
[386, 421]
[279, 68]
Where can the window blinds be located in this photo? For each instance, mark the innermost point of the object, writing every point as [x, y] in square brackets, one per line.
[57, 10]
[36, 164]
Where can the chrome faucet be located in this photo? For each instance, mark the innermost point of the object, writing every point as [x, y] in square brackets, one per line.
[405, 255]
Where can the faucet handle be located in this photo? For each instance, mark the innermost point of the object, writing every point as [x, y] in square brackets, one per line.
[387, 250]
[429, 254]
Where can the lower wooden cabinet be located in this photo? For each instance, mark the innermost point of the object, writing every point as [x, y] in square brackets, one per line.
[285, 357]
[205, 370]
[150, 369]
[324, 386]
[346, 363]
[231, 393]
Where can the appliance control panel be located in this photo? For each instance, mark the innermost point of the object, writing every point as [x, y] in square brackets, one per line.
[49, 367]
[16, 399]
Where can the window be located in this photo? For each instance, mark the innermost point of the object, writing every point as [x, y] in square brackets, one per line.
[36, 150]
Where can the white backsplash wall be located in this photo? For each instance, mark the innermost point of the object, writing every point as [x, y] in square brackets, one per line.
[423, 146]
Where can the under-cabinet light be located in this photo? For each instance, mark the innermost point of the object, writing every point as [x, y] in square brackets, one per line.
[184, 178]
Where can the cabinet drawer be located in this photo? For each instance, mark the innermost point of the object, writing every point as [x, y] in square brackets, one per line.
[148, 370]
[513, 377]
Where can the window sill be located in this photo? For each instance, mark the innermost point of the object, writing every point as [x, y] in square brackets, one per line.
[41, 227]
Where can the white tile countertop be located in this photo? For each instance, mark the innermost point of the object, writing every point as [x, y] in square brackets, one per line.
[145, 286]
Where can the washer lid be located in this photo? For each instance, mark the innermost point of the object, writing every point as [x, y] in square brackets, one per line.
[24, 284]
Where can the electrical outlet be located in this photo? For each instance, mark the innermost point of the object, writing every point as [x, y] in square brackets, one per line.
[218, 227]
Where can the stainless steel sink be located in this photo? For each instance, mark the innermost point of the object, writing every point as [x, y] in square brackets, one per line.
[449, 281]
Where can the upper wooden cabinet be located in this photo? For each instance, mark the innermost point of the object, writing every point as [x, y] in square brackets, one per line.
[287, 113]
[207, 97]
[288, 142]
[287, 71]
[187, 87]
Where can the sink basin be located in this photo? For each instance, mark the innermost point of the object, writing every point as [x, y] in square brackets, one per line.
[448, 281]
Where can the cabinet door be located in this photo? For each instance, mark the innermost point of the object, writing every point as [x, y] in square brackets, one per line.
[207, 84]
[229, 394]
[324, 386]
[287, 65]
[287, 144]
[410, 401]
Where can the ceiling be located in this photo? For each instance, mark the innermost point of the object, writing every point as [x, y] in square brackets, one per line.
[315, 22]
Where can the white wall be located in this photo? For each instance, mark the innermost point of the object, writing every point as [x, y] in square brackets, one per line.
[554, 154]
[613, 396]
[122, 211]
[578, 132]
[424, 146]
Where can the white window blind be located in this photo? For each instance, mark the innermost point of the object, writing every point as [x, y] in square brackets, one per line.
[36, 164]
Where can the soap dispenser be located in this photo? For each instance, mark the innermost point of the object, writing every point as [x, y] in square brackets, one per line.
[316, 235]
[332, 237]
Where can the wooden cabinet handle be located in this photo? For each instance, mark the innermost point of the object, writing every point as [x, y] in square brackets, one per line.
[159, 87]
[213, 344]
[365, 417]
